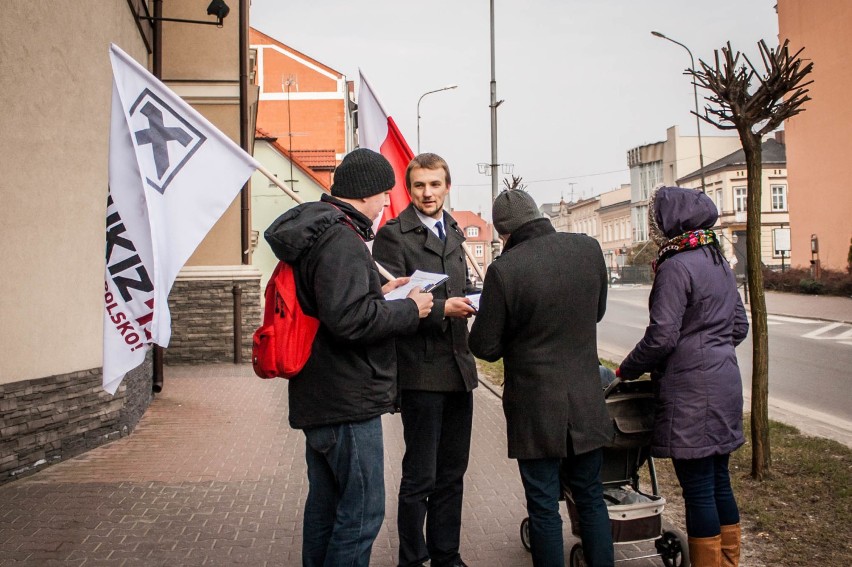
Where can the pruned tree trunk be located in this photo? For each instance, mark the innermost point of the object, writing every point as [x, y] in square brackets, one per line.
[754, 112]
[760, 455]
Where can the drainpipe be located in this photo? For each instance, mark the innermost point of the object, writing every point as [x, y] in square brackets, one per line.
[245, 140]
[245, 143]
[159, 354]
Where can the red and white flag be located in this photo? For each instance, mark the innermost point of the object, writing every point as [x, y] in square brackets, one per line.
[378, 132]
[172, 174]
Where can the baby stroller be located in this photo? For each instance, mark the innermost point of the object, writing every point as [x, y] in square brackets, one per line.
[635, 516]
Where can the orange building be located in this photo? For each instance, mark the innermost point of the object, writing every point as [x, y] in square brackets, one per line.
[478, 235]
[306, 105]
[818, 140]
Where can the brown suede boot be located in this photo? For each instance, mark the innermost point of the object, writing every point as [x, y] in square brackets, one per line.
[731, 545]
[705, 551]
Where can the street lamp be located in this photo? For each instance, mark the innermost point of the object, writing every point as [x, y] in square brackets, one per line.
[695, 95]
[448, 87]
[495, 243]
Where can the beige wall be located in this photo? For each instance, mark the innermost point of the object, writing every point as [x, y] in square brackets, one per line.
[818, 140]
[201, 63]
[681, 155]
[54, 130]
[615, 231]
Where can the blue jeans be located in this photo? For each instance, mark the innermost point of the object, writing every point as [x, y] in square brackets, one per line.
[542, 488]
[346, 497]
[708, 495]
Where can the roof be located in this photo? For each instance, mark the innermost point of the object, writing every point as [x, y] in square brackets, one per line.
[260, 38]
[263, 135]
[774, 154]
[469, 218]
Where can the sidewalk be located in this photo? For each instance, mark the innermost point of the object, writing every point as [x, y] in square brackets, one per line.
[213, 475]
[825, 307]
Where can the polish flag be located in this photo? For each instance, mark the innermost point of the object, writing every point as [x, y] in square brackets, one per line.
[378, 132]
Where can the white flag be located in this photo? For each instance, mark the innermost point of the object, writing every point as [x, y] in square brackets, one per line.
[172, 174]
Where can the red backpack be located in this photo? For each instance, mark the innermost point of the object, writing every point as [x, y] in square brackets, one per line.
[282, 345]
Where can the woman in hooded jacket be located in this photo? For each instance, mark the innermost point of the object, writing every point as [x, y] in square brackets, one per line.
[696, 321]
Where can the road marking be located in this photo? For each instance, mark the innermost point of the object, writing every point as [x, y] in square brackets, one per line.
[784, 319]
[818, 333]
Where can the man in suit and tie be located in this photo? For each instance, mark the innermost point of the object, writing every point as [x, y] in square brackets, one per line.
[437, 373]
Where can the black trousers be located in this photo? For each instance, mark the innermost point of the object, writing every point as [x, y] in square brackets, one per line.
[436, 428]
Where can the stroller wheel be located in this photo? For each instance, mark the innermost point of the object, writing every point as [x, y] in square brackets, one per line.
[673, 549]
[525, 534]
[576, 558]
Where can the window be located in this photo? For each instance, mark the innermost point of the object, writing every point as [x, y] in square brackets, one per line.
[779, 197]
[740, 198]
[640, 223]
[473, 231]
[478, 250]
[720, 199]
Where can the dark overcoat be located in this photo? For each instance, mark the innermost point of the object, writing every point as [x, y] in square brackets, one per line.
[437, 358]
[696, 321]
[541, 302]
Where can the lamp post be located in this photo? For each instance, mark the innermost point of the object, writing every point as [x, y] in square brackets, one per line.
[695, 96]
[448, 87]
[495, 244]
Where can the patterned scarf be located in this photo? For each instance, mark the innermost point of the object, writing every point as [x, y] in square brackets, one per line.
[686, 241]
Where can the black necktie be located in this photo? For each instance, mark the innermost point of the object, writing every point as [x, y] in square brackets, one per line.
[440, 226]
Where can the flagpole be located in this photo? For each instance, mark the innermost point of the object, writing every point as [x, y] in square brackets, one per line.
[472, 262]
[271, 176]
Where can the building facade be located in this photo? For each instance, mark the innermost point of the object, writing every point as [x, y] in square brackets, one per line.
[558, 215]
[55, 129]
[615, 233]
[818, 140]
[268, 201]
[726, 184]
[662, 163]
[478, 234]
[305, 104]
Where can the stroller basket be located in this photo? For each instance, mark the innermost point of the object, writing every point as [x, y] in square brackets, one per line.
[629, 522]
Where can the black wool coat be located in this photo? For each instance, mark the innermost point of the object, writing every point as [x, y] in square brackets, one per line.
[541, 302]
[437, 358]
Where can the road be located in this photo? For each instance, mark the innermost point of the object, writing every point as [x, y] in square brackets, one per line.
[809, 362]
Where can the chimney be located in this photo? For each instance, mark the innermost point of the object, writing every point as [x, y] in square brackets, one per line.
[780, 137]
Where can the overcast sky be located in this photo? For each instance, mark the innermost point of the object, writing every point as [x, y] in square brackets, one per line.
[583, 80]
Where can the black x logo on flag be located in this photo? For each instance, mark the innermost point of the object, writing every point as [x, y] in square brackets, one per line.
[170, 138]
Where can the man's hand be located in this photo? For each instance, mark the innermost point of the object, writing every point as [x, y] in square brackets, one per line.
[458, 307]
[423, 301]
[393, 284]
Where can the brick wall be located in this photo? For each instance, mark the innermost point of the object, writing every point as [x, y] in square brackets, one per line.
[203, 320]
[47, 420]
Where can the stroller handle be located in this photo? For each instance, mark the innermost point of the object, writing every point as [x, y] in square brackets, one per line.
[611, 387]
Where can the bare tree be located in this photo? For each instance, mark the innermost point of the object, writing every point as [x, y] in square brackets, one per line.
[515, 184]
[754, 112]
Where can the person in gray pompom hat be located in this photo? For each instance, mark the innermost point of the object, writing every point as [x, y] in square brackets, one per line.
[362, 173]
[540, 305]
[512, 209]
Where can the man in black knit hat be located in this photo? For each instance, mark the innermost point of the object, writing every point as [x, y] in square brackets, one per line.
[349, 380]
